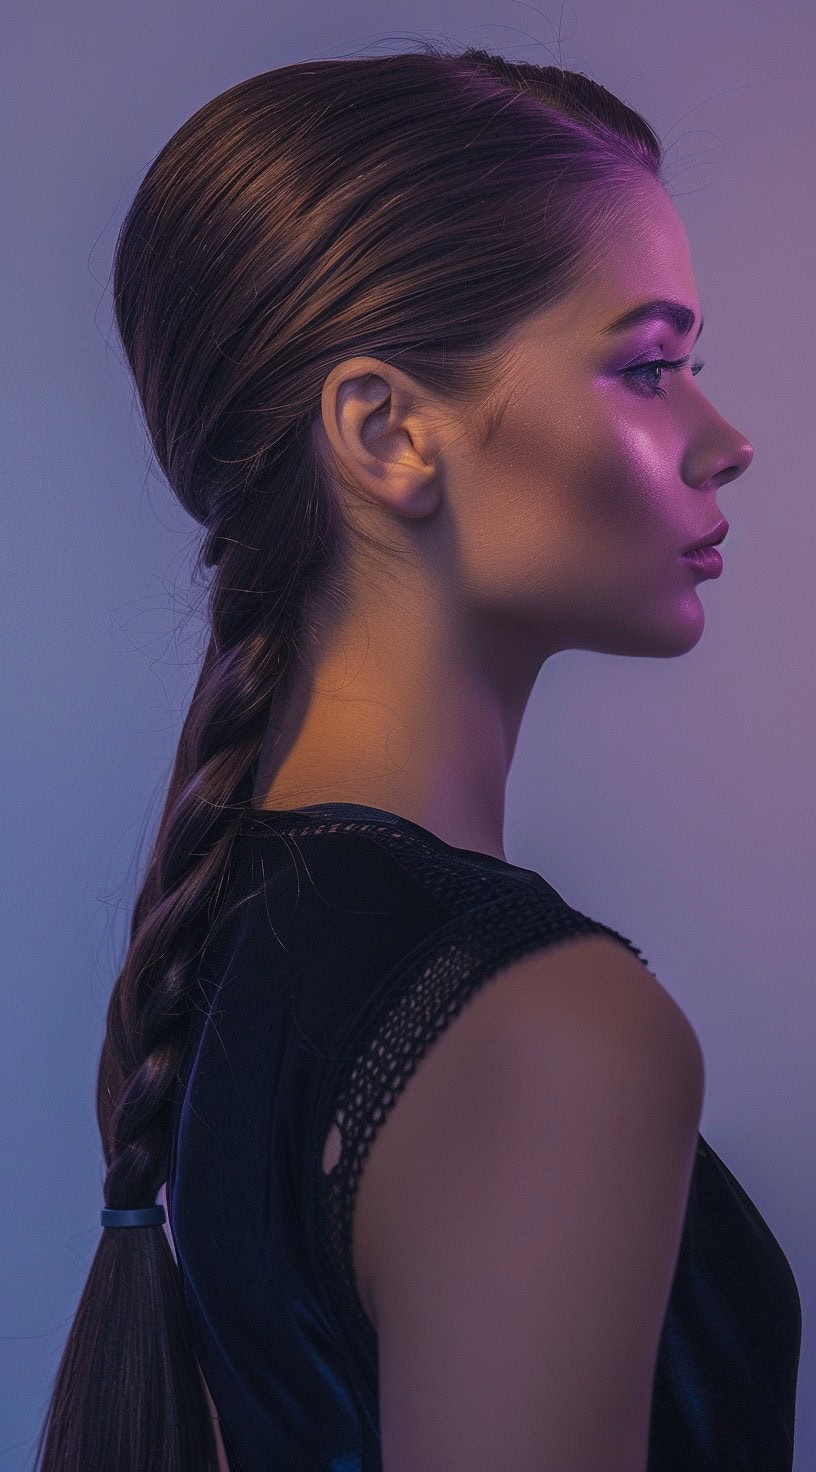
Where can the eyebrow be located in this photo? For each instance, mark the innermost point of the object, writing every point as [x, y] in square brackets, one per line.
[678, 316]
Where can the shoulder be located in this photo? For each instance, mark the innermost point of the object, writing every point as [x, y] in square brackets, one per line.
[575, 1040]
[582, 1008]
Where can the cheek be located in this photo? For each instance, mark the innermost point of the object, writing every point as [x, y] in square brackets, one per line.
[561, 505]
[603, 468]
[629, 495]
[645, 453]
[529, 486]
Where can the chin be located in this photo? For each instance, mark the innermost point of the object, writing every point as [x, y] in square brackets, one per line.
[667, 638]
[677, 636]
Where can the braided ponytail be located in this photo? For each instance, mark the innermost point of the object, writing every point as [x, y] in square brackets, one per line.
[255, 256]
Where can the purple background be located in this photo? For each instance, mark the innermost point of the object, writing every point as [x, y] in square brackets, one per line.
[672, 799]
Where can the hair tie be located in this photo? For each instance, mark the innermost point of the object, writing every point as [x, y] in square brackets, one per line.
[143, 1216]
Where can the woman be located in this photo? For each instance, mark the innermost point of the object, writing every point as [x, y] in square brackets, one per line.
[412, 339]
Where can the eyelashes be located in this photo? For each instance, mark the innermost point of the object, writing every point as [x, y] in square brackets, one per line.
[660, 365]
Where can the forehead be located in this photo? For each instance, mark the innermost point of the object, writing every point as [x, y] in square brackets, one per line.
[641, 254]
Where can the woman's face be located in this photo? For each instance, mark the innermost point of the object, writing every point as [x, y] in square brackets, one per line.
[571, 521]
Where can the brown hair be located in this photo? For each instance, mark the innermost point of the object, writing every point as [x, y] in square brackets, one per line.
[414, 207]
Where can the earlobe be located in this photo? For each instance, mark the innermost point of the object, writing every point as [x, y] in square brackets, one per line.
[424, 498]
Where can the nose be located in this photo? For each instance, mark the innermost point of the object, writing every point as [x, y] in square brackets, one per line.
[739, 457]
[743, 457]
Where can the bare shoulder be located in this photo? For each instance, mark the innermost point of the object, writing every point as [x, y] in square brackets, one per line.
[589, 995]
[578, 1010]
[519, 1214]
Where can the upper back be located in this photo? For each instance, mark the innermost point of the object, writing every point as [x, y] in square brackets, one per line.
[519, 1217]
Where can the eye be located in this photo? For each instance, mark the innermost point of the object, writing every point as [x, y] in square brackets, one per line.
[660, 365]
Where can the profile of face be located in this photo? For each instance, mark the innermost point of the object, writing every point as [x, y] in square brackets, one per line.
[568, 526]
[562, 528]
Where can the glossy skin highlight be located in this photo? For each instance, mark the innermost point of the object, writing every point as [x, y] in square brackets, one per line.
[564, 531]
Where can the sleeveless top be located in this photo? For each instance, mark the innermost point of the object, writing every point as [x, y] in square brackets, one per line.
[348, 939]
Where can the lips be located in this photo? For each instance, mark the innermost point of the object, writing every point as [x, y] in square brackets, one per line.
[712, 538]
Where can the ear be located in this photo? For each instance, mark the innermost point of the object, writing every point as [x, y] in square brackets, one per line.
[377, 432]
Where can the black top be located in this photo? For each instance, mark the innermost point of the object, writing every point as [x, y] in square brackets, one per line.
[349, 939]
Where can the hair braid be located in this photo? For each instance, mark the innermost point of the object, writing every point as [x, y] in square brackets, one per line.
[246, 661]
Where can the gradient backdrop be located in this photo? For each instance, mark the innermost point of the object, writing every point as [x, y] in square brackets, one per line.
[673, 799]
